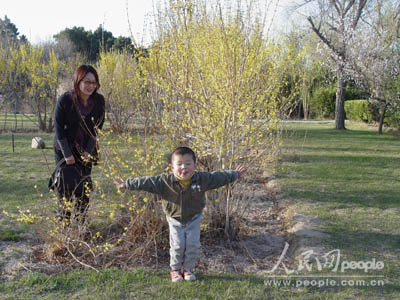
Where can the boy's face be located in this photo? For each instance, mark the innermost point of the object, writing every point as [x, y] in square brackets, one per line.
[183, 166]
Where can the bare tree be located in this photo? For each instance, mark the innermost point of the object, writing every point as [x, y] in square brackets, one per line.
[335, 24]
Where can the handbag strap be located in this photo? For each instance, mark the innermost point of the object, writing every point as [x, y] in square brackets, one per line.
[82, 122]
[60, 162]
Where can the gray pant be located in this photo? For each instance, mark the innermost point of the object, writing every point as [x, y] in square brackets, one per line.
[184, 241]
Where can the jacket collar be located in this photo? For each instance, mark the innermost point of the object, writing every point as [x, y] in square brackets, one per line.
[195, 177]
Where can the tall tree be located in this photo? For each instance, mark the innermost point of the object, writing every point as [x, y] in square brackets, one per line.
[9, 35]
[376, 56]
[78, 36]
[8, 29]
[13, 79]
[44, 75]
[91, 44]
[307, 73]
[122, 43]
[100, 40]
[335, 24]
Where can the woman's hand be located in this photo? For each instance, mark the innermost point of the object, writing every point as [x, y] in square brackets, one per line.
[241, 169]
[120, 183]
[70, 160]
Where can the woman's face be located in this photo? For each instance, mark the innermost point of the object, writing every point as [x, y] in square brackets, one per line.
[87, 85]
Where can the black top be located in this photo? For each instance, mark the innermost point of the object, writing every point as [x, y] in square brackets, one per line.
[67, 124]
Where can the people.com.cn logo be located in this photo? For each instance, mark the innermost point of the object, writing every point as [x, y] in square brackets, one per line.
[309, 261]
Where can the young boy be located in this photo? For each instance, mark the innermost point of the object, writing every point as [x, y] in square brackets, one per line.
[183, 200]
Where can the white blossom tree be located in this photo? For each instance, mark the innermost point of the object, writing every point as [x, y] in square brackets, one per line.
[375, 56]
[335, 23]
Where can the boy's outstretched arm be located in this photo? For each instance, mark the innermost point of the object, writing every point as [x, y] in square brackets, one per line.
[152, 184]
[220, 178]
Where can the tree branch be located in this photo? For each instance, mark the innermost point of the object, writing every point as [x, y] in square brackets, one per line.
[323, 38]
[346, 10]
[82, 263]
[334, 3]
[360, 8]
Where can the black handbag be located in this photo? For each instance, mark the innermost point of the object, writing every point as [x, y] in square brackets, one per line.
[67, 179]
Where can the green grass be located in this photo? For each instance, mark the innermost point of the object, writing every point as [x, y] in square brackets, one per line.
[23, 169]
[142, 284]
[356, 167]
[348, 179]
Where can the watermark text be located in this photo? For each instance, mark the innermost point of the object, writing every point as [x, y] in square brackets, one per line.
[323, 282]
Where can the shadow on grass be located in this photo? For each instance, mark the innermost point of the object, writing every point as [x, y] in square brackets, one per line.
[316, 131]
[355, 159]
[354, 198]
[358, 241]
[367, 180]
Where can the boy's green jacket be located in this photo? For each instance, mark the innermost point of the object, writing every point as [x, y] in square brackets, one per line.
[178, 202]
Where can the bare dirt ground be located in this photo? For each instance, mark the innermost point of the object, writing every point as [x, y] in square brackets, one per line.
[257, 251]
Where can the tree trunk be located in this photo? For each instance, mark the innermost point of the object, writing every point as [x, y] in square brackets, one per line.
[50, 126]
[299, 111]
[382, 117]
[42, 124]
[340, 92]
[306, 108]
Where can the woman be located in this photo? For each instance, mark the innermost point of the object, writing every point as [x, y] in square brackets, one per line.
[78, 115]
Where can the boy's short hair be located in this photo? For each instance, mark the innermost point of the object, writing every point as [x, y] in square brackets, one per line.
[183, 151]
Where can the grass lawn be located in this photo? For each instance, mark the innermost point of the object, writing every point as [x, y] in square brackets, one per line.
[347, 179]
[350, 181]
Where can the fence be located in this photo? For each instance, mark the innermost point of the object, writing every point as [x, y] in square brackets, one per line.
[11, 122]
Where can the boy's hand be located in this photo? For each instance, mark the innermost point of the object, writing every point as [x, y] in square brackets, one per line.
[241, 169]
[120, 183]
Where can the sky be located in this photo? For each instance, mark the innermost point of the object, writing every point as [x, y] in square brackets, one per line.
[39, 20]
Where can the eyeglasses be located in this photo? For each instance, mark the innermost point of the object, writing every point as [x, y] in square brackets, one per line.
[87, 82]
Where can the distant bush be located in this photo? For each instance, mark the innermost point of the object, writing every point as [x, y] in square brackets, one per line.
[392, 118]
[359, 110]
[322, 102]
